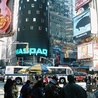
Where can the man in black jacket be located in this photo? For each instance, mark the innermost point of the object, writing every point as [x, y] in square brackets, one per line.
[73, 90]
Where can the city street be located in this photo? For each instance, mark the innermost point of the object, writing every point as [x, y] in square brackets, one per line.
[19, 87]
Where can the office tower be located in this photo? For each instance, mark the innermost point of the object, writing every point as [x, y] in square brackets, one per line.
[32, 28]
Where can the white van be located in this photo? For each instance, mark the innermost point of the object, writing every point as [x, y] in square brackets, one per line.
[62, 72]
[12, 72]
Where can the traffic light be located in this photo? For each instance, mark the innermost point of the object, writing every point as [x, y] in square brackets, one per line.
[27, 47]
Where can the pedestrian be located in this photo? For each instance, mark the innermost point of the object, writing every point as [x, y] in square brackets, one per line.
[8, 89]
[38, 90]
[46, 80]
[52, 88]
[72, 90]
[95, 81]
[14, 89]
[25, 90]
[88, 81]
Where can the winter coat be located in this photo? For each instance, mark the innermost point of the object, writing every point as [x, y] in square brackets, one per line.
[72, 90]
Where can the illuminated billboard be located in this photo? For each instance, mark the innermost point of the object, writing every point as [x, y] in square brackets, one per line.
[5, 16]
[82, 24]
[85, 23]
[33, 28]
[85, 51]
[81, 3]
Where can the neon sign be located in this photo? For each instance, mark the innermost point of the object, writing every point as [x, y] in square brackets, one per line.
[5, 16]
[32, 51]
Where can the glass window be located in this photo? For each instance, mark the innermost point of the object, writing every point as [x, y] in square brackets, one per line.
[46, 29]
[40, 27]
[34, 19]
[28, 0]
[31, 27]
[32, 5]
[18, 29]
[26, 19]
[37, 12]
[29, 11]
[20, 8]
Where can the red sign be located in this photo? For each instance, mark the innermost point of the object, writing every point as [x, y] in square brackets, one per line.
[5, 16]
[81, 3]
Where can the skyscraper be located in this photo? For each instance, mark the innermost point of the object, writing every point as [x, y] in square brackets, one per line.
[33, 28]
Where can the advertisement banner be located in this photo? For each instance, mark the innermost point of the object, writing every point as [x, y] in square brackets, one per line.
[85, 51]
[81, 3]
[85, 24]
[82, 24]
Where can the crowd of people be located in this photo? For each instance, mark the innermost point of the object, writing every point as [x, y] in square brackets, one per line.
[91, 81]
[42, 87]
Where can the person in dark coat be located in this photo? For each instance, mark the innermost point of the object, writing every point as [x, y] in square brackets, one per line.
[38, 90]
[72, 90]
[52, 88]
[25, 90]
[8, 88]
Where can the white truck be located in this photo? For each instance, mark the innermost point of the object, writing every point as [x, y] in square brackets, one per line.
[61, 73]
[12, 72]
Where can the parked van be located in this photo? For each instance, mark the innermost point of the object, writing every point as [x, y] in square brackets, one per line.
[12, 72]
[62, 72]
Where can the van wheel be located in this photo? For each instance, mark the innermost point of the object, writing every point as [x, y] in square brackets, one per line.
[18, 81]
[62, 81]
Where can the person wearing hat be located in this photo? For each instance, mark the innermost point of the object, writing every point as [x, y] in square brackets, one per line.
[72, 90]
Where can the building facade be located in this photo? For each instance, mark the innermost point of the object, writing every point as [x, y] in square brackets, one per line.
[86, 32]
[33, 28]
[60, 26]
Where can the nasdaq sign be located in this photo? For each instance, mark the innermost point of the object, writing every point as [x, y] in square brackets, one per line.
[32, 51]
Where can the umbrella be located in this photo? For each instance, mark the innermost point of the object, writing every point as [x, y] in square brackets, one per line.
[39, 67]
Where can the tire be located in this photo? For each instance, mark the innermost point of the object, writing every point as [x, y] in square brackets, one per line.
[18, 81]
[62, 80]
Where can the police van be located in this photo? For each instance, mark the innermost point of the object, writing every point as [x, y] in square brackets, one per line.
[62, 72]
[12, 72]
